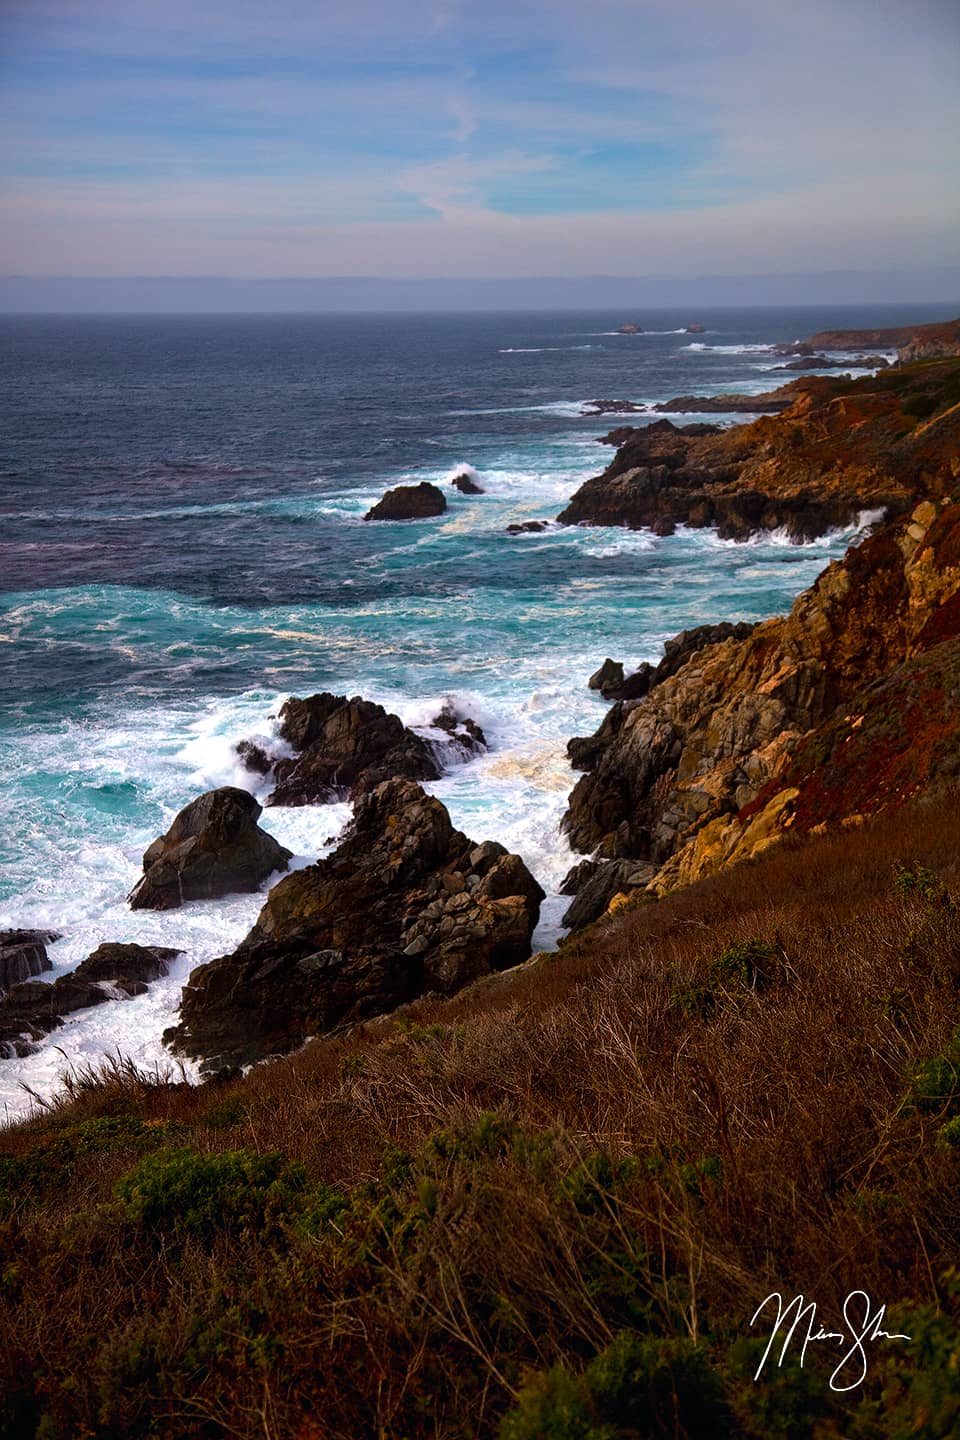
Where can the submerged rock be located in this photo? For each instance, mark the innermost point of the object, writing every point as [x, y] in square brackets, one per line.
[409, 502]
[214, 847]
[32, 1009]
[406, 904]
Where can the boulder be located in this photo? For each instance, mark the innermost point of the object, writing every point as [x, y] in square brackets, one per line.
[405, 905]
[409, 502]
[344, 747]
[464, 732]
[610, 674]
[34, 1008]
[696, 329]
[466, 485]
[629, 329]
[528, 527]
[214, 847]
[23, 954]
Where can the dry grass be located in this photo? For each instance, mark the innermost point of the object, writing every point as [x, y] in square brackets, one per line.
[624, 1137]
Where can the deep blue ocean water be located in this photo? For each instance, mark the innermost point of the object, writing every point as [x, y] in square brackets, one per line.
[182, 544]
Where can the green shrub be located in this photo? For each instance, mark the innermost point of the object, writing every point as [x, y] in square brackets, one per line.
[917, 882]
[182, 1190]
[640, 1387]
[935, 1083]
[747, 964]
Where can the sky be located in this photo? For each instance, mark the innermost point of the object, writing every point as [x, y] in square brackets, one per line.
[448, 138]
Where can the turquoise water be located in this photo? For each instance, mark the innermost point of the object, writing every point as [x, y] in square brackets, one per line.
[183, 546]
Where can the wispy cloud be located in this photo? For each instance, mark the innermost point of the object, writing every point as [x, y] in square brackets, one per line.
[301, 137]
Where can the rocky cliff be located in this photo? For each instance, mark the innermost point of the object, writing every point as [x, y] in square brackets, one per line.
[842, 447]
[843, 707]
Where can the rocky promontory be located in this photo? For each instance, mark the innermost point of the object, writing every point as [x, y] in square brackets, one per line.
[406, 904]
[842, 447]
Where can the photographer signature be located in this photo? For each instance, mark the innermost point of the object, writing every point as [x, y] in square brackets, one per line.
[862, 1327]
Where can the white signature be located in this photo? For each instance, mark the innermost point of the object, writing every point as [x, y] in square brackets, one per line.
[862, 1326]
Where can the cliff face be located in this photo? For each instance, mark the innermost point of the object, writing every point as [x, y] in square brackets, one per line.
[912, 342]
[885, 441]
[747, 740]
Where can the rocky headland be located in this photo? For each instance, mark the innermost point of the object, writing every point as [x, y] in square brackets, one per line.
[841, 447]
[406, 904]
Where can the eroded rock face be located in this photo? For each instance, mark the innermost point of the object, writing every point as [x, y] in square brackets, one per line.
[31, 1010]
[614, 685]
[214, 847]
[883, 442]
[715, 763]
[23, 954]
[409, 502]
[405, 905]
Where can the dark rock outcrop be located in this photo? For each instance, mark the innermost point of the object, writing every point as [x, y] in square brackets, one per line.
[607, 677]
[715, 763]
[405, 905]
[612, 407]
[23, 954]
[409, 502]
[528, 527]
[345, 746]
[466, 485]
[614, 685]
[882, 442]
[695, 329]
[629, 329]
[596, 883]
[214, 847]
[464, 732]
[31, 1010]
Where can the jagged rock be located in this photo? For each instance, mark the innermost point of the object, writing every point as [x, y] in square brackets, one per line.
[527, 527]
[34, 1008]
[214, 847]
[409, 502]
[23, 954]
[596, 882]
[718, 760]
[467, 485]
[406, 904]
[345, 747]
[842, 447]
[609, 674]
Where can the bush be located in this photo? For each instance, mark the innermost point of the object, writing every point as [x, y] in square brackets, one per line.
[181, 1190]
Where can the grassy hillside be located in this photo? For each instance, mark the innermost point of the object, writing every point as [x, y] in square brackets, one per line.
[548, 1207]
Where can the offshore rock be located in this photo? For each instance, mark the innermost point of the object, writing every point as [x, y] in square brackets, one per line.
[409, 502]
[405, 905]
[34, 1008]
[466, 485]
[214, 847]
[23, 954]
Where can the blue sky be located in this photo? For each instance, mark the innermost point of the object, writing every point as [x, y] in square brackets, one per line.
[476, 137]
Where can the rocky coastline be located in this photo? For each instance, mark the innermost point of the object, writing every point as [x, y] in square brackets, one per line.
[740, 736]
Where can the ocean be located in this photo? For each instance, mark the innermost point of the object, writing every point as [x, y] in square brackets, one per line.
[182, 545]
